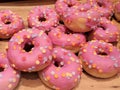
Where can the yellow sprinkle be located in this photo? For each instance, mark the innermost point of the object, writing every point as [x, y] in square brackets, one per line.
[79, 69]
[13, 65]
[54, 56]
[68, 74]
[94, 53]
[14, 80]
[48, 78]
[18, 37]
[50, 47]
[73, 59]
[56, 76]
[43, 51]
[40, 33]
[10, 86]
[14, 47]
[94, 65]
[84, 50]
[63, 74]
[100, 71]
[37, 62]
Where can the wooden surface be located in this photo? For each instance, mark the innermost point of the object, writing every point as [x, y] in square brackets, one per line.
[31, 81]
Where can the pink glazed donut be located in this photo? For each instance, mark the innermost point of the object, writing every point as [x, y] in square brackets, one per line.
[34, 49]
[43, 17]
[62, 6]
[61, 37]
[77, 17]
[103, 7]
[10, 23]
[65, 71]
[9, 78]
[105, 31]
[100, 59]
[117, 10]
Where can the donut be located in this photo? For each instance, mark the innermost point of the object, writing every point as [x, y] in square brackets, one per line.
[78, 18]
[106, 31]
[43, 18]
[9, 77]
[117, 11]
[64, 72]
[29, 50]
[62, 37]
[62, 6]
[100, 59]
[104, 8]
[10, 23]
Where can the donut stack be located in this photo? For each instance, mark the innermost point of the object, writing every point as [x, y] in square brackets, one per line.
[60, 41]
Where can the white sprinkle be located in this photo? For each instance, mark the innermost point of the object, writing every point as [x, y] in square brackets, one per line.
[78, 76]
[18, 76]
[61, 63]
[73, 73]
[1, 75]
[89, 66]
[50, 58]
[52, 72]
[69, 54]
[116, 65]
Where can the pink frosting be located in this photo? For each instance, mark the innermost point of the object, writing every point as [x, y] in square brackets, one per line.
[103, 63]
[59, 37]
[66, 74]
[106, 31]
[62, 6]
[35, 59]
[10, 23]
[117, 7]
[9, 77]
[103, 7]
[42, 17]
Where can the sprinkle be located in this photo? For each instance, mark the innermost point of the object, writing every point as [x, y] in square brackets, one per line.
[113, 58]
[84, 50]
[13, 65]
[56, 76]
[100, 71]
[62, 63]
[79, 69]
[34, 35]
[78, 76]
[48, 78]
[52, 72]
[73, 73]
[89, 66]
[75, 80]
[63, 74]
[91, 61]
[50, 58]
[94, 65]
[37, 62]
[69, 54]
[77, 61]
[115, 65]
[72, 58]
[10, 86]
[18, 76]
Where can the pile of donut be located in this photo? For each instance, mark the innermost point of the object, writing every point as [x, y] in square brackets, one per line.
[60, 42]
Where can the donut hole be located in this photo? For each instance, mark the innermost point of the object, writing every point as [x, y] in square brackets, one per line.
[61, 22]
[6, 21]
[1, 69]
[102, 53]
[102, 27]
[28, 46]
[99, 4]
[42, 19]
[58, 64]
[70, 5]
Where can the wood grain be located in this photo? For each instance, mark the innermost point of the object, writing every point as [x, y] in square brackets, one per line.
[31, 81]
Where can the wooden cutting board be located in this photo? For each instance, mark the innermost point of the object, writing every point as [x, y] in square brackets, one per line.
[31, 81]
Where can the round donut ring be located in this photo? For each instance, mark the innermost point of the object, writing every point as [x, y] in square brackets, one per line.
[61, 37]
[65, 71]
[43, 18]
[9, 77]
[30, 50]
[10, 23]
[105, 31]
[100, 59]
